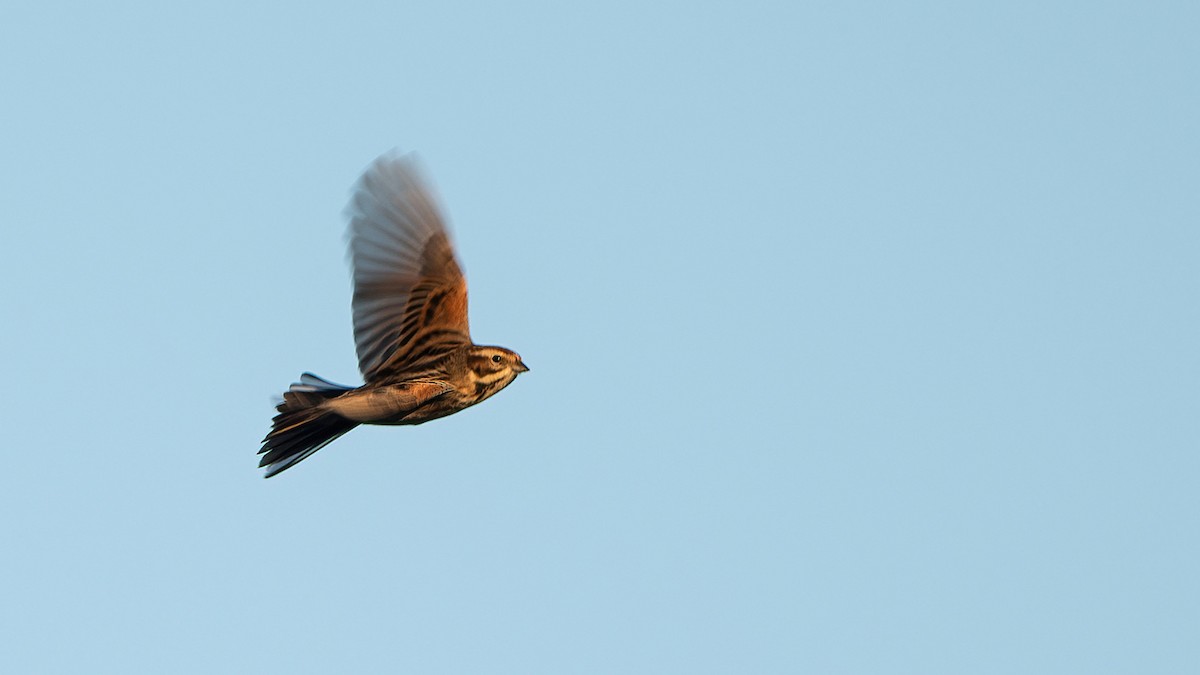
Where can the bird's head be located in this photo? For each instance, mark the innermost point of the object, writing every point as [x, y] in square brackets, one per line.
[493, 368]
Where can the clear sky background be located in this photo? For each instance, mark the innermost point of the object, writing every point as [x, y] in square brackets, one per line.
[863, 338]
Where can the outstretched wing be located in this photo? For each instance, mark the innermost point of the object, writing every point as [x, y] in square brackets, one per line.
[410, 296]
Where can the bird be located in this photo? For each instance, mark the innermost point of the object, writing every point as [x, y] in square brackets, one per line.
[409, 311]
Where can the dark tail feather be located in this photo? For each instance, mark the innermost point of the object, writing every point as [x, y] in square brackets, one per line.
[302, 426]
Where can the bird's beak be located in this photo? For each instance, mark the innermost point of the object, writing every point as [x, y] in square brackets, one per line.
[521, 367]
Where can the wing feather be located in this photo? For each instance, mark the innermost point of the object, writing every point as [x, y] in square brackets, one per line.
[410, 295]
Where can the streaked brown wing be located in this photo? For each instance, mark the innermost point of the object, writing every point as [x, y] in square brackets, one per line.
[410, 296]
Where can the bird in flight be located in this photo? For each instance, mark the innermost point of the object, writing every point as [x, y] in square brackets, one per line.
[410, 326]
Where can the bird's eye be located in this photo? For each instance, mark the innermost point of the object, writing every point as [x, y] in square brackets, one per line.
[496, 359]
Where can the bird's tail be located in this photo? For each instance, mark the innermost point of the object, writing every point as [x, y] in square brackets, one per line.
[303, 425]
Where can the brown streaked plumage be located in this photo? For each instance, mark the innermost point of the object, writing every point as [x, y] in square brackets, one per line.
[410, 326]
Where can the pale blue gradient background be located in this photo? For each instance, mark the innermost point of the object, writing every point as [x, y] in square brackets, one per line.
[864, 338]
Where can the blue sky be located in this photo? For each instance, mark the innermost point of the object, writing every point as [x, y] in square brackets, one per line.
[863, 338]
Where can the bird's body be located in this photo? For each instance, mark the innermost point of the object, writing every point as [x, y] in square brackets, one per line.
[460, 380]
[410, 326]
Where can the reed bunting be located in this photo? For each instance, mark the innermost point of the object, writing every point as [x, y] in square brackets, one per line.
[410, 326]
